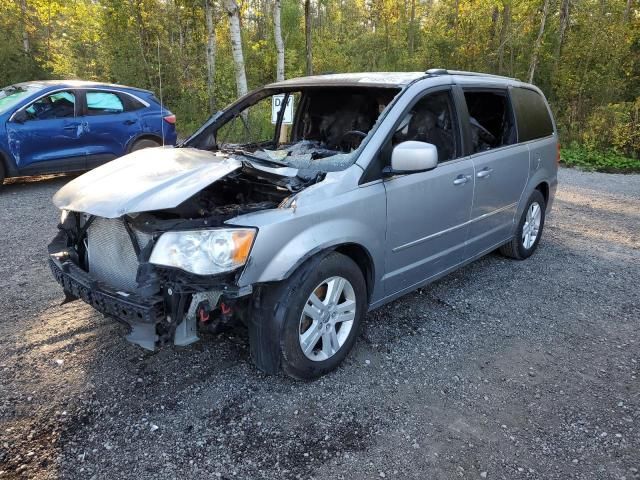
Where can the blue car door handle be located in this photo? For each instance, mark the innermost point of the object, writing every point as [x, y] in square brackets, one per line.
[130, 122]
[71, 126]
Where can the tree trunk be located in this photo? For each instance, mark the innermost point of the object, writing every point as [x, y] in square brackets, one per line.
[536, 47]
[504, 33]
[211, 54]
[277, 33]
[412, 36]
[627, 11]
[236, 45]
[564, 23]
[307, 32]
[25, 34]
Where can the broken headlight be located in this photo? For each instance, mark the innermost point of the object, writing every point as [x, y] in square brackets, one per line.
[204, 252]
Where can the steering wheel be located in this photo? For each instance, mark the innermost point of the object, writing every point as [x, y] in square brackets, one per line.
[348, 139]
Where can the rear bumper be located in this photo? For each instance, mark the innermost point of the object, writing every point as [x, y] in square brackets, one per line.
[127, 307]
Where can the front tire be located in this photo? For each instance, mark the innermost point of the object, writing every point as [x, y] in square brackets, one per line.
[307, 324]
[529, 230]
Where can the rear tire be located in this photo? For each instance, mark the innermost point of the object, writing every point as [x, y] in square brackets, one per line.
[144, 143]
[2, 172]
[286, 318]
[529, 230]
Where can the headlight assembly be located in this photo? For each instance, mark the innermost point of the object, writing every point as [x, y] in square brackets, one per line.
[204, 252]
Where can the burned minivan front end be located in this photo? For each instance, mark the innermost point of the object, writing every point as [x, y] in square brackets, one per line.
[171, 272]
[162, 284]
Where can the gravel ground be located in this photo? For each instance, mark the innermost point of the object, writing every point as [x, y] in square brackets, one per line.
[503, 369]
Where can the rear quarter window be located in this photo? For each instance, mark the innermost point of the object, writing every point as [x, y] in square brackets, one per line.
[532, 114]
[103, 103]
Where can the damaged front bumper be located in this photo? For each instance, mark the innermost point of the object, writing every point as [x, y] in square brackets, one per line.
[124, 306]
[172, 315]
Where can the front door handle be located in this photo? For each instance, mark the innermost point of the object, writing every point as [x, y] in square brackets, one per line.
[73, 126]
[130, 122]
[484, 173]
[461, 180]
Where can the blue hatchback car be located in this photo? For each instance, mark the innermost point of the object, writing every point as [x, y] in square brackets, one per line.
[66, 126]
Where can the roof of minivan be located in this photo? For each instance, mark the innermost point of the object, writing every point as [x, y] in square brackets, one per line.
[382, 79]
[78, 84]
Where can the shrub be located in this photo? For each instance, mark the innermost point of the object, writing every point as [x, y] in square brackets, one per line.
[594, 160]
[615, 126]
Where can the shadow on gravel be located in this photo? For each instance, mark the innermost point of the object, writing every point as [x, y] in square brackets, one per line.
[39, 180]
[515, 368]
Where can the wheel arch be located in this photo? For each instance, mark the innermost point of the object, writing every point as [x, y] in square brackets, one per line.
[143, 136]
[5, 165]
[355, 251]
[543, 188]
[363, 259]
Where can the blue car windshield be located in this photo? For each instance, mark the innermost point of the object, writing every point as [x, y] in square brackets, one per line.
[13, 95]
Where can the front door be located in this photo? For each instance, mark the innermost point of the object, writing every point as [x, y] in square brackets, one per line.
[47, 137]
[501, 168]
[428, 212]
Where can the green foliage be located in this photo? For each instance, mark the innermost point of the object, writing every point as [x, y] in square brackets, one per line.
[591, 77]
[594, 160]
[615, 125]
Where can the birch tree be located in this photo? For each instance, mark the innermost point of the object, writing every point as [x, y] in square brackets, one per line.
[25, 34]
[277, 33]
[538, 43]
[236, 45]
[211, 54]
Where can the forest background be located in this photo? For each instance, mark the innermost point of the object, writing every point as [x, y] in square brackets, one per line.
[584, 54]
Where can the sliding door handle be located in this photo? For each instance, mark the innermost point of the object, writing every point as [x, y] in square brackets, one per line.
[484, 173]
[461, 179]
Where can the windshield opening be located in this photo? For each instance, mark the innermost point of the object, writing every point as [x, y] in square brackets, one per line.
[13, 95]
[315, 128]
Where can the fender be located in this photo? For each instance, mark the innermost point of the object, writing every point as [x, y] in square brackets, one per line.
[306, 244]
[9, 164]
[286, 238]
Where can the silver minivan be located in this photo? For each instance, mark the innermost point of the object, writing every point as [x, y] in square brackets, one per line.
[307, 203]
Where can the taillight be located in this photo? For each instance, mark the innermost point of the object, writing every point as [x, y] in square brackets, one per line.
[170, 119]
[558, 154]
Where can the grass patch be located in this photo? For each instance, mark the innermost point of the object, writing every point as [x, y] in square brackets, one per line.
[608, 162]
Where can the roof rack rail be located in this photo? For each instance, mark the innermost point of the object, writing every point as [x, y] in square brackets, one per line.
[444, 71]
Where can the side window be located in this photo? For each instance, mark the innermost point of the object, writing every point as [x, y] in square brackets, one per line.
[491, 119]
[432, 120]
[251, 126]
[103, 103]
[531, 113]
[131, 104]
[56, 105]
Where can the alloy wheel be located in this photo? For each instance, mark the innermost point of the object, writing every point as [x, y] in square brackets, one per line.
[531, 226]
[327, 318]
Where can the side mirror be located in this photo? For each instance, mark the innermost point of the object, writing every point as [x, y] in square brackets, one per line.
[412, 156]
[20, 117]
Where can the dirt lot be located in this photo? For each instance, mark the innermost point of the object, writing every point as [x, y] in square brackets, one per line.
[502, 370]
